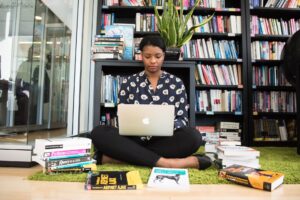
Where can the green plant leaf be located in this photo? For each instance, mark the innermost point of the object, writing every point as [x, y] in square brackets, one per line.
[172, 24]
[172, 34]
[157, 16]
[189, 15]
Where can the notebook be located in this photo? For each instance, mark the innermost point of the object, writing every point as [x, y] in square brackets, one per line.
[146, 120]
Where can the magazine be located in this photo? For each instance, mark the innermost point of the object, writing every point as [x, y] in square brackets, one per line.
[170, 178]
[127, 31]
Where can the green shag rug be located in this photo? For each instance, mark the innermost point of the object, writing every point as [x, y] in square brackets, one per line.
[280, 159]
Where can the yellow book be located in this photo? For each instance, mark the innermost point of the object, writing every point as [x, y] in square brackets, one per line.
[113, 180]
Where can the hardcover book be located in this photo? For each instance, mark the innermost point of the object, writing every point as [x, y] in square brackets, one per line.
[237, 151]
[251, 177]
[169, 178]
[113, 180]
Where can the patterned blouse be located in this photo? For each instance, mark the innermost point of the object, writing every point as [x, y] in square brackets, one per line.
[170, 90]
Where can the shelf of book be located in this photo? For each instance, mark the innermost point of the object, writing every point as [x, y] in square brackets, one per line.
[273, 99]
[274, 88]
[275, 12]
[223, 31]
[274, 114]
[184, 70]
[228, 113]
[203, 87]
[214, 60]
[269, 37]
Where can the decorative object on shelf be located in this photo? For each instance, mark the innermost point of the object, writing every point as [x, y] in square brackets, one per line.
[290, 57]
[172, 25]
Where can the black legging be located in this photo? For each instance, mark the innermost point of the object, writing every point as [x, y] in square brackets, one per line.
[133, 150]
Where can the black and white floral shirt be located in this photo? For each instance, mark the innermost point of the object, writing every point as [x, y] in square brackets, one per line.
[170, 90]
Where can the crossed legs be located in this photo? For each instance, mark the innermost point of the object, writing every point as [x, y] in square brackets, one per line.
[172, 152]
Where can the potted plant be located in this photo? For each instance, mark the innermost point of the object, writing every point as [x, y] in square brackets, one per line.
[172, 25]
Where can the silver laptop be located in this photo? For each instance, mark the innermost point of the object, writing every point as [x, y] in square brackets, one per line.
[146, 120]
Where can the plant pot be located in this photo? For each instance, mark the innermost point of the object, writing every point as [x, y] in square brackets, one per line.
[173, 53]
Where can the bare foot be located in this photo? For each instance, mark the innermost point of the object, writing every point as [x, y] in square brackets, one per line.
[188, 162]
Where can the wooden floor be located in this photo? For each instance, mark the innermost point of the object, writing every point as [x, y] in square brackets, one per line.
[14, 186]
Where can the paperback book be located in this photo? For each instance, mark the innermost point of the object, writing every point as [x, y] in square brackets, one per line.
[113, 180]
[169, 178]
[251, 177]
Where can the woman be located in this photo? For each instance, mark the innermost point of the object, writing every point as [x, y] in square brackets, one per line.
[152, 86]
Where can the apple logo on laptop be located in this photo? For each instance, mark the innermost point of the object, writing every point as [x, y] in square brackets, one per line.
[146, 121]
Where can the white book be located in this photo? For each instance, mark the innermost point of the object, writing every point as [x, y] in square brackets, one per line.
[138, 21]
[225, 157]
[222, 50]
[55, 144]
[228, 125]
[204, 46]
[168, 178]
[231, 75]
[254, 165]
[219, 75]
[108, 55]
[229, 143]
[235, 72]
[233, 24]
[237, 151]
[238, 24]
[210, 147]
[210, 48]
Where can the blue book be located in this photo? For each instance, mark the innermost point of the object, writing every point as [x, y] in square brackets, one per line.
[127, 30]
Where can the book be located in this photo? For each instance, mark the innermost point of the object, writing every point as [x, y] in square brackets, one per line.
[228, 161]
[228, 125]
[79, 169]
[60, 144]
[127, 31]
[60, 162]
[237, 151]
[168, 178]
[113, 180]
[60, 148]
[252, 177]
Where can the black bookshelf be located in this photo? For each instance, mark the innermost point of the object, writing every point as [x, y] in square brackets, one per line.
[126, 14]
[184, 70]
[210, 118]
[277, 13]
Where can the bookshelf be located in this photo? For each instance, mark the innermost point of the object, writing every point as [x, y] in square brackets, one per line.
[224, 30]
[213, 36]
[184, 70]
[270, 123]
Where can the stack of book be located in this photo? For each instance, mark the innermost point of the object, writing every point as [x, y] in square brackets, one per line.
[64, 154]
[225, 133]
[108, 47]
[241, 155]
[229, 131]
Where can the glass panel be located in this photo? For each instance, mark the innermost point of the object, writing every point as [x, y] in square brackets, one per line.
[16, 34]
[34, 75]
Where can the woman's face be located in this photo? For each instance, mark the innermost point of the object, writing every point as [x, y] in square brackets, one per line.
[153, 58]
